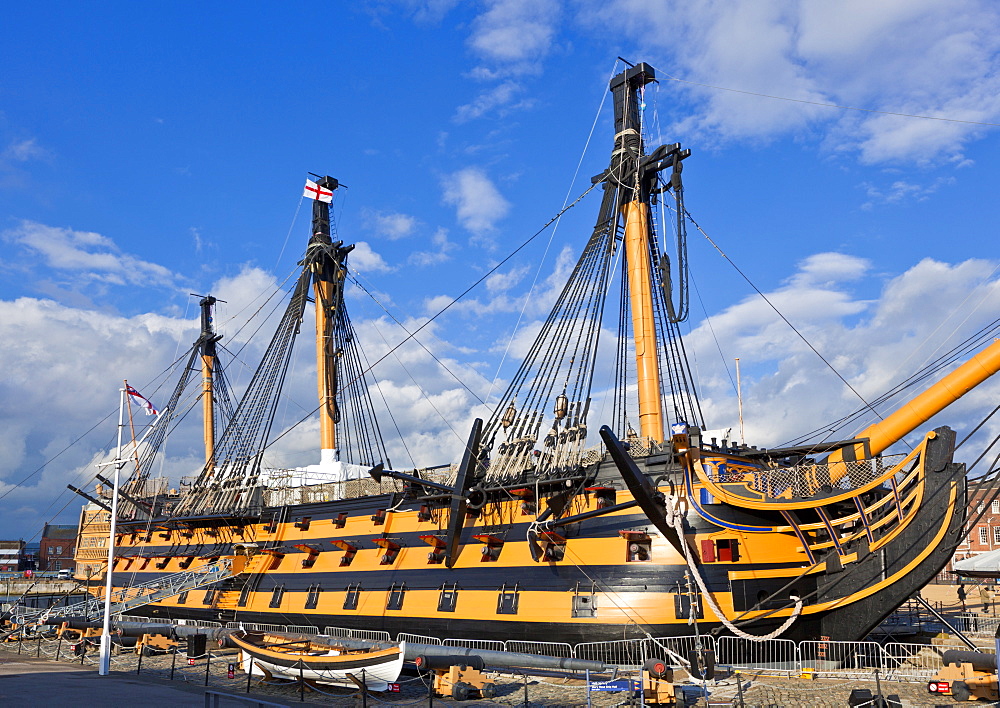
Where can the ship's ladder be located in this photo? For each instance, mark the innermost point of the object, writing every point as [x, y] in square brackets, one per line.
[133, 596]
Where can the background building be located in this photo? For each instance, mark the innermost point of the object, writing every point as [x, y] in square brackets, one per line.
[10, 556]
[57, 547]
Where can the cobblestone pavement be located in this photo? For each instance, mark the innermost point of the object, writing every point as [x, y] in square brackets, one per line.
[512, 690]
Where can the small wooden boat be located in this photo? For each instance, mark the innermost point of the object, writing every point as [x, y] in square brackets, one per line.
[281, 657]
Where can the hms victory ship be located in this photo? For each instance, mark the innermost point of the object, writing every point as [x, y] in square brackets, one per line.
[552, 525]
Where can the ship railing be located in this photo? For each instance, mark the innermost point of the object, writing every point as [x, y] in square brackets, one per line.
[804, 481]
[285, 492]
[150, 620]
[257, 627]
[209, 624]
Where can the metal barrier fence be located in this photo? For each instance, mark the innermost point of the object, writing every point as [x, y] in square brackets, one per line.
[488, 644]
[774, 656]
[303, 628]
[620, 652]
[847, 659]
[978, 624]
[559, 649]
[417, 638]
[914, 662]
[857, 660]
[371, 635]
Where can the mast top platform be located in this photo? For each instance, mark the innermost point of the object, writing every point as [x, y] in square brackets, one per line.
[640, 74]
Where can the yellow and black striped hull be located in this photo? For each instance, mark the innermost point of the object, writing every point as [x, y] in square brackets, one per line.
[294, 569]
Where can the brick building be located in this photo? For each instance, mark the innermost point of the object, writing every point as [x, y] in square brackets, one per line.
[985, 534]
[57, 547]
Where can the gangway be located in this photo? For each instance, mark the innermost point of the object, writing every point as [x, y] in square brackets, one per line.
[133, 596]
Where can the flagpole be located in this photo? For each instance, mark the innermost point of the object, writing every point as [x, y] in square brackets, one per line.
[105, 662]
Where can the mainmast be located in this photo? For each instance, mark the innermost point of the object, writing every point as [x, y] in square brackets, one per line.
[634, 174]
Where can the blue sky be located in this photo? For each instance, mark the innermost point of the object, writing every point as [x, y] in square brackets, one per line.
[156, 150]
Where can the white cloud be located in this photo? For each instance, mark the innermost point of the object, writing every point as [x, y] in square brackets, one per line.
[441, 255]
[87, 256]
[515, 32]
[478, 203]
[501, 282]
[789, 391]
[902, 191]
[24, 151]
[498, 99]
[391, 226]
[918, 57]
[365, 260]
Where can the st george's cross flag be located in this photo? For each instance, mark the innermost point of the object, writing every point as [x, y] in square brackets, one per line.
[314, 191]
[141, 400]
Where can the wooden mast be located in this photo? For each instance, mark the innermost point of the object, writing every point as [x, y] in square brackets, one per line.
[635, 210]
[328, 276]
[207, 342]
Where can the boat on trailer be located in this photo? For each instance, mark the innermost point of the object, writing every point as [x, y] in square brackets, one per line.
[545, 531]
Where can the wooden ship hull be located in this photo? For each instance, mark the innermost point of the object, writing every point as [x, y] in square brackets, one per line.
[536, 537]
[297, 566]
[294, 660]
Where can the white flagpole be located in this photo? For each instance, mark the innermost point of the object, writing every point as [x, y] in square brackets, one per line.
[105, 664]
[739, 397]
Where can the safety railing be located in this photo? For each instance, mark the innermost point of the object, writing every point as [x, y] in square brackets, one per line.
[619, 652]
[488, 644]
[559, 649]
[774, 656]
[851, 660]
[848, 659]
[977, 624]
[417, 638]
[371, 635]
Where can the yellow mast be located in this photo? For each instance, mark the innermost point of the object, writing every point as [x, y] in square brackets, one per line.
[323, 292]
[630, 173]
[328, 277]
[640, 284]
[208, 353]
[208, 408]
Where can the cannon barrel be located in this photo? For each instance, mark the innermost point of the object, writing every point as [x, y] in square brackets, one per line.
[918, 411]
[504, 659]
[981, 661]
